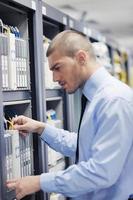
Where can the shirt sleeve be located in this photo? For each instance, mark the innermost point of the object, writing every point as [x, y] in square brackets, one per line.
[60, 140]
[110, 148]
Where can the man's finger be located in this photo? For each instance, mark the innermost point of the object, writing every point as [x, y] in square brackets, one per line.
[11, 185]
[11, 181]
[18, 120]
[19, 127]
[23, 133]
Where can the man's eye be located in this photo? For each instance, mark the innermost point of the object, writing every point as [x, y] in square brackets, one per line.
[57, 68]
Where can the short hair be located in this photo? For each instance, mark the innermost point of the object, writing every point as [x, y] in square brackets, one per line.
[69, 42]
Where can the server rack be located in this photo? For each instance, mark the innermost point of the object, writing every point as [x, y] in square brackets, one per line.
[53, 22]
[130, 67]
[121, 64]
[39, 109]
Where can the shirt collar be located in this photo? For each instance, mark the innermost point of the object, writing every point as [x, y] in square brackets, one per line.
[95, 82]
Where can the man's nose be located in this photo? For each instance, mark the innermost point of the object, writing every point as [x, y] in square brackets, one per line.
[55, 77]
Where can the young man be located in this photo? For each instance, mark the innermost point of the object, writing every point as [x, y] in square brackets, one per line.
[103, 169]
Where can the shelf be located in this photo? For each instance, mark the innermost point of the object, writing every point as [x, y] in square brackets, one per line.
[7, 103]
[53, 94]
[16, 95]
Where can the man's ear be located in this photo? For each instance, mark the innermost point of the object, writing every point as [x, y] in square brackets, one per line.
[81, 57]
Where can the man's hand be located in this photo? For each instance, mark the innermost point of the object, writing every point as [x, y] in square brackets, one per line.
[26, 125]
[24, 186]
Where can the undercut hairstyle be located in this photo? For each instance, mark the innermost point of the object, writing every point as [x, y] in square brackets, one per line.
[69, 42]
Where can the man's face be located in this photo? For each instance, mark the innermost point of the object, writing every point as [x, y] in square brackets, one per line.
[66, 71]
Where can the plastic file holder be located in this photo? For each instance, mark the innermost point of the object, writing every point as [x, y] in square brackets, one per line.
[21, 55]
[57, 197]
[4, 51]
[18, 155]
[53, 156]
[56, 161]
[49, 83]
[9, 159]
[14, 62]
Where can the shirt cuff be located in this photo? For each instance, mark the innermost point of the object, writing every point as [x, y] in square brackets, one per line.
[47, 182]
[49, 133]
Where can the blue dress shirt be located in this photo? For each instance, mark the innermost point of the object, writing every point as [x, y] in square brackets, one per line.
[105, 168]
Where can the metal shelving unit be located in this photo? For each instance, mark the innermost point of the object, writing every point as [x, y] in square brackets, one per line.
[53, 22]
